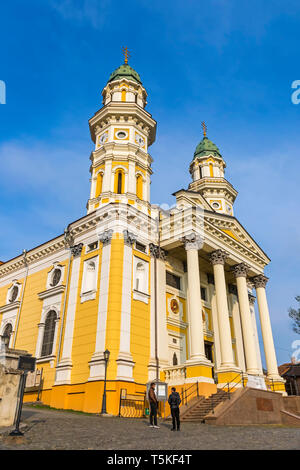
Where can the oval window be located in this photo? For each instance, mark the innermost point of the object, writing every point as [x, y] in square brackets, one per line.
[14, 294]
[121, 135]
[56, 277]
[216, 205]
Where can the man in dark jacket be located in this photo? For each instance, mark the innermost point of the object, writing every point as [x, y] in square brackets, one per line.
[174, 402]
[153, 406]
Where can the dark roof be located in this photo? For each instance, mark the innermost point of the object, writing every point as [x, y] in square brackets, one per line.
[289, 370]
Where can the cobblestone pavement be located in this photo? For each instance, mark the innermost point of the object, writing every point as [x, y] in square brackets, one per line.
[51, 429]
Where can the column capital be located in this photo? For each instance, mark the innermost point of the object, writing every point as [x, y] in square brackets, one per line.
[76, 249]
[105, 237]
[218, 257]
[240, 270]
[129, 238]
[259, 281]
[192, 241]
[157, 252]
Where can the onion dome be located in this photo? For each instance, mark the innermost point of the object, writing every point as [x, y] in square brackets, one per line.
[125, 71]
[207, 147]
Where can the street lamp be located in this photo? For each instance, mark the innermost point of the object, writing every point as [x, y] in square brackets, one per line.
[106, 358]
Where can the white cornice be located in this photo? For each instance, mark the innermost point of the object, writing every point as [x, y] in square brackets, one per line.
[9, 307]
[51, 292]
[130, 113]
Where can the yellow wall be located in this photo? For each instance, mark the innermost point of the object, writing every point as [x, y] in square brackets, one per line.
[140, 332]
[30, 317]
[85, 326]
[114, 303]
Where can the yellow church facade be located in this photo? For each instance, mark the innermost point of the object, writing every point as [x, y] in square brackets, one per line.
[170, 293]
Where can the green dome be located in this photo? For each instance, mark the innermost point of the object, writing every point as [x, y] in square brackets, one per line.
[206, 147]
[125, 71]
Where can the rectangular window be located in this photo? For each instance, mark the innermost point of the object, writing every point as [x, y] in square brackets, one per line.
[140, 247]
[92, 246]
[203, 293]
[173, 280]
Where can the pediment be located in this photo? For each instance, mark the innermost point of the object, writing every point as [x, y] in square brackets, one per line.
[186, 198]
[232, 233]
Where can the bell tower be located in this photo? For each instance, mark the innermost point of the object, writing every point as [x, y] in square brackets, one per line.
[122, 130]
[208, 170]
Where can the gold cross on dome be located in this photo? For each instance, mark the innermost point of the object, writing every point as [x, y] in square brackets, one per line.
[126, 54]
[204, 128]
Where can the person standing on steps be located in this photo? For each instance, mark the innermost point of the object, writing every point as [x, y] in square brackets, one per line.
[174, 402]
[153, 406]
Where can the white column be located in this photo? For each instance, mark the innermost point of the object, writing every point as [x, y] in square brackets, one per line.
[41, 329]
[158, 330]
[217, 259]
[107, 176]
[240, 272]
[147, 188]
[260, 282]
[192, 244]
[237, 327]
[97, 362]
[163, 350]
[64, 367]
[93, 187]
[255, 334]
[125, 361]
[214, 312]
[131, 177]
[152, 363]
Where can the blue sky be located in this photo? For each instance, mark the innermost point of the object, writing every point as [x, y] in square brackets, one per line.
[230, 63]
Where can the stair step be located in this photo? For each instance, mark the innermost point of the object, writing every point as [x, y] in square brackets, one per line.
[205, 406]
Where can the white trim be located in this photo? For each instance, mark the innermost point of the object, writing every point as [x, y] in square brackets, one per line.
[97, 362]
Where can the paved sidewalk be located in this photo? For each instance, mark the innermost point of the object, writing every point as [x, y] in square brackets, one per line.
[52, 429]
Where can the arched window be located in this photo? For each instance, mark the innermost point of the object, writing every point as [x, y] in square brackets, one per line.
[49, 331]
[90, 276]
[119, 182]
[175, 360]
[140, 277]
[99, 184]
[200, 171]
[139, 186]
[7, 334]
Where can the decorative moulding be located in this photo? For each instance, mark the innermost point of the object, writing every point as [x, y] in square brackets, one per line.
[10, 306]
[52, 291]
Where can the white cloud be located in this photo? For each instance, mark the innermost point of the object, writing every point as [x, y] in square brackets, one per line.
[91, 11]
[43, 188]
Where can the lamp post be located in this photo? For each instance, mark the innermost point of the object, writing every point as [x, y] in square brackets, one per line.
[106, 358]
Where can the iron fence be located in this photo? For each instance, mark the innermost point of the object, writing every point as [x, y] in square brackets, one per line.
[132, 406]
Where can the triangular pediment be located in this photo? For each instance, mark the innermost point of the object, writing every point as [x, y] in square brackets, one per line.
[186, 198]
[233, 234]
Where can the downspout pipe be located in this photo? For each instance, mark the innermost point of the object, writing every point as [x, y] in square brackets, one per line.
[68, 240]
[156, 302]
[25, 261]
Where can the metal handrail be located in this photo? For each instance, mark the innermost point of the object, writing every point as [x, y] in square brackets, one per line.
[185, 395]
[228, 388]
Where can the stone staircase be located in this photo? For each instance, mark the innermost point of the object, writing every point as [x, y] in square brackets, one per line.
[203, 406]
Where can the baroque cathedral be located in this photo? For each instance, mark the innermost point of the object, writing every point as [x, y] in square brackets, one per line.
[170, 294]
